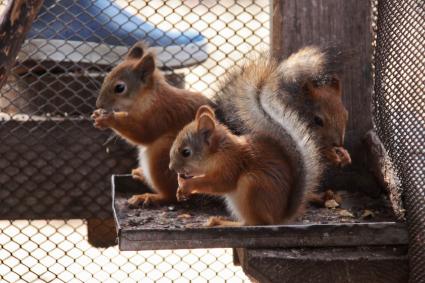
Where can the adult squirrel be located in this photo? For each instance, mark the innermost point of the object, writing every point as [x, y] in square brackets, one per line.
[138, 104]
[308, 84]
[264, 175]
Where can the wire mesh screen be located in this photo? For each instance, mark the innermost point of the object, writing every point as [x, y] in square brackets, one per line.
[55, 165]
[400, 110]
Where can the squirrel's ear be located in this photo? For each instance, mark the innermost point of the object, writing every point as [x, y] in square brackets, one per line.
[145, 67]
[206, 125]
[204, 109]
[137, 51]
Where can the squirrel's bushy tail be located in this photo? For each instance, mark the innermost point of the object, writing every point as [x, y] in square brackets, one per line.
[252, 94]
[310, 63]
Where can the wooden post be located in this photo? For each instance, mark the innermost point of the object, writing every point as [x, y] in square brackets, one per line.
[14, 25]
[346, 24]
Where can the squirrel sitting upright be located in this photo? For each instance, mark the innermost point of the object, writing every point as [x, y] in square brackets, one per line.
[138, 104]
[264, 175]
[308, 84]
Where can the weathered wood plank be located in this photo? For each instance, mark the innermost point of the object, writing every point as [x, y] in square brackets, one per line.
[101, 233]
[153, 234]
[287, 236]
[64, 92]
[383, 169]
[380, 264]
[58, 169]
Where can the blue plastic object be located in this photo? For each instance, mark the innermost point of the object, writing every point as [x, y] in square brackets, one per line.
[100, 26]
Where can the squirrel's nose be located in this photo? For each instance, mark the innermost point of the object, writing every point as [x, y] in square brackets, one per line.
[171, 165]
[103, 101]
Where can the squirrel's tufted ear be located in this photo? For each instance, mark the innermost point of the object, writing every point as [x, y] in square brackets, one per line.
[204, 109]
[137, 51]
[145, 67]
[206, 125]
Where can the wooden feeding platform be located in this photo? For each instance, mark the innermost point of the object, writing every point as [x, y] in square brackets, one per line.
[181, 226]
[341, 241]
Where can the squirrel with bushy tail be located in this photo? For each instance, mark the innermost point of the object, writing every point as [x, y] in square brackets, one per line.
[307, 82]
[263, 152]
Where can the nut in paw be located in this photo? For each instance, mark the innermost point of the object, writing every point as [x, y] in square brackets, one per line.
[338, 156]
[344, 156]
[102, 118]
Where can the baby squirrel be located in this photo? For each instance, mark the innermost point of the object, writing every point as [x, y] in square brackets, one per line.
[307, 83]
[264, 175]
[138, 104]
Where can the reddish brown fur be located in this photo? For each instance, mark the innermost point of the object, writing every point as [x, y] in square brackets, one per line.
[328, 100]
[306, 82]
[151, 117]
[253, 171]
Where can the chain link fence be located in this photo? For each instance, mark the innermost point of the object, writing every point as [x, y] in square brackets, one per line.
[399, 109]
[58, 251]
[55, 167]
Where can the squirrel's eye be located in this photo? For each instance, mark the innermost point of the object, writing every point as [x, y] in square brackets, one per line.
[120, 88]
[186, 152]
[318, 121]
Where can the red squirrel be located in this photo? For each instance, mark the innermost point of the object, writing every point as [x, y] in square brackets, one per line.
[137, 103]
[308, 83]
[263, 175]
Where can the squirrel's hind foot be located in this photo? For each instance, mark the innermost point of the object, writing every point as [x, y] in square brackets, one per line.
[149, 200]
[215, 221]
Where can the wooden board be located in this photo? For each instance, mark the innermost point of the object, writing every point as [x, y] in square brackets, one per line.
[58, 168]
[65, 92]
[377, 264]
[166, 228]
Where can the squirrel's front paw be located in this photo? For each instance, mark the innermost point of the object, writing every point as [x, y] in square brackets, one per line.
[137, 174]
[214, 221]
[338, 156]
[144, 200]
[97, 113]
[344, 156]
[102, 118]
[182, 194]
